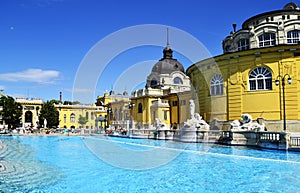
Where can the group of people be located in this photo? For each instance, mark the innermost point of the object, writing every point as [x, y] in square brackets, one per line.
[119, 130]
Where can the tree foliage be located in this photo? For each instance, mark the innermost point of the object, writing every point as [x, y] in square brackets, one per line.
[67, 103]
[11, 111]
[71, 103]
[54, 101]
[50, 113]
[82, 120]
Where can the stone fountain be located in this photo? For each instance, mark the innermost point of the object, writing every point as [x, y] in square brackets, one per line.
[189, 132]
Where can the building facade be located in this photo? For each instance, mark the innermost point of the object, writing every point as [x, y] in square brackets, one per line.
[257, 74]
[30, 111]
[116, 107]
[69, 116]
[164, 98]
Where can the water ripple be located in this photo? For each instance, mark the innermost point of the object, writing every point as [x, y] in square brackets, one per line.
[21, 172]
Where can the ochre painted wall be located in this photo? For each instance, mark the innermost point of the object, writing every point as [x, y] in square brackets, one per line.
[237, 97]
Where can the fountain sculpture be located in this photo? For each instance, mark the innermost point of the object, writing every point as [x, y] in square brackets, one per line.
[246, 124]
[189, 132]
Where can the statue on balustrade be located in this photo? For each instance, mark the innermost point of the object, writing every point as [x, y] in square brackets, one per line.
[196, 120]
[246, 124]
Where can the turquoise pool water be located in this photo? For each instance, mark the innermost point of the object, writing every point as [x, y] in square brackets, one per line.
[76, 164]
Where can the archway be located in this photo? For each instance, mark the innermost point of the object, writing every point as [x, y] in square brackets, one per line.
[28, 118]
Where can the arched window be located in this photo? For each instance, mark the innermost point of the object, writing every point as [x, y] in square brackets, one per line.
[177, 80]
[216, 85]
[260, 79]
[293, 37]
[243, 44]
[140, 108]
[267, 39]
[72, 118]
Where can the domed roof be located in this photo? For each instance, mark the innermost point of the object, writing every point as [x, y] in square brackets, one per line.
[167, 64]
[291, 6]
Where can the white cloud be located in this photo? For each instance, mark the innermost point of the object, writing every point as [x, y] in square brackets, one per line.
[32, 75]
[79, 90]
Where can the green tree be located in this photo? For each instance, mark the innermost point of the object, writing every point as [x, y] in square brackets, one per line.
[68, 103]
[82, 120]
[54, 101]
[11, 111]
[50, 113]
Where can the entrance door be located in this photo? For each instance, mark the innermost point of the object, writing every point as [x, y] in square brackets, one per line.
[28, 118]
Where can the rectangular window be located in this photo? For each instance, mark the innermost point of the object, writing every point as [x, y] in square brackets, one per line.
[65, 118]
[92, 115]
[243, 44]
[293, 37]
[267, 39]
[174, 103]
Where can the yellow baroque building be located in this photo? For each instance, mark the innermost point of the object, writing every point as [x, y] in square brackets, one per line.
[166, 93]
[165, 98]
[258, 73]
[69, 116]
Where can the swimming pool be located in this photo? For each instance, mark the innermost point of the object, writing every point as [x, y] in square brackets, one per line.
[77, 164]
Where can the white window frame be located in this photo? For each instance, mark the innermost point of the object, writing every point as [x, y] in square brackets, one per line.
[267, 39]
[243, 44]
[260, 78]
[216, 85]
[177, 80]
[293, 37]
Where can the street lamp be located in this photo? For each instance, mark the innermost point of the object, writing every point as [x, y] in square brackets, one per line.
[289, 81]
[109, 116]
[130, 107]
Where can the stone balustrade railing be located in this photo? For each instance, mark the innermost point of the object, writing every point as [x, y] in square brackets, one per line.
[264, 139]
[273, 140]
[295, 142]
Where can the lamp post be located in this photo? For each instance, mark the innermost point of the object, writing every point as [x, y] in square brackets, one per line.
[101, 119]
[130, 107]
[289, 81]
[108, 117]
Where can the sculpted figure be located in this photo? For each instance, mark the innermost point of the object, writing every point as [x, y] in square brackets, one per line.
[192, 108]
[246, 124]
[159, 124]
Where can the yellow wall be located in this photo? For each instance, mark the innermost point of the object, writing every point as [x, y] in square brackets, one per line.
[237, 98]
[65, 112]
[184, 106]
[160, 111]
[145, 116]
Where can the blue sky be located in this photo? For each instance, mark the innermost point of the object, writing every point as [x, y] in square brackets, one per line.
[43, 43]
